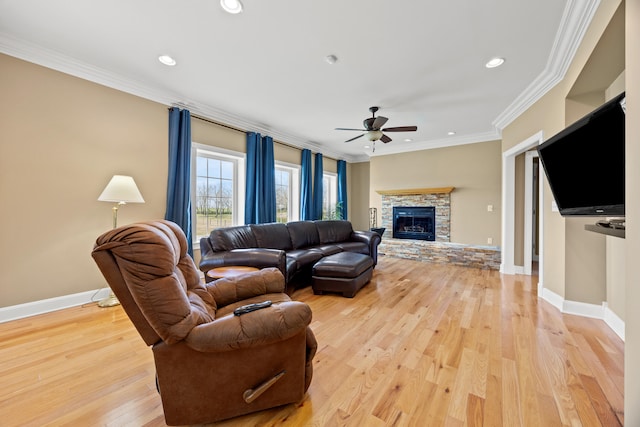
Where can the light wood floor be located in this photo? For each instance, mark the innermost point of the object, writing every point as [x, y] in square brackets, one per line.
[421, 345]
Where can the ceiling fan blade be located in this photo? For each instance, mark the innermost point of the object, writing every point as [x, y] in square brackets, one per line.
[359, 136]
[379, 122]
[359, 130]
[401, 129]
[385, 139]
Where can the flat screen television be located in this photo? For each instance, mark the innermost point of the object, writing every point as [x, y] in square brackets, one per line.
[584, 163]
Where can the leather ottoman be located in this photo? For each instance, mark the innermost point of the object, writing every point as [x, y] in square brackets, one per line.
[344, 272]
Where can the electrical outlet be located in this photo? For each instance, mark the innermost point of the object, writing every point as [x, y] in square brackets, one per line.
[490, 240]
[489, 208]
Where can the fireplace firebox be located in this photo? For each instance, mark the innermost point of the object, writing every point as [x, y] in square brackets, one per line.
[414, 222]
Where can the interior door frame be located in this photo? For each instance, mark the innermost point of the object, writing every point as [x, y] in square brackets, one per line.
[508, 208]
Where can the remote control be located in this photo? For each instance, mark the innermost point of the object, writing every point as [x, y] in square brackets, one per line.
[251, 307]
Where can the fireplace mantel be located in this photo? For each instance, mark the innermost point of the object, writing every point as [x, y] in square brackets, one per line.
[439, 190]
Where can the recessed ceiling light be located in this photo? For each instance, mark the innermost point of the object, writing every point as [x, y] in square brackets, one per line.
[494, 62]
[231, 6]
[451, 133]
[367, 146]
[408, 140]
[167, 60]
[331, 59]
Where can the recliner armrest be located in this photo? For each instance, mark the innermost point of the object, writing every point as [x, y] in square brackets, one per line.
[272, 324]
[230, 290]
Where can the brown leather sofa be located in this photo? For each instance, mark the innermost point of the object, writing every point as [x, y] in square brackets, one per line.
[293, 247]
[210, 364]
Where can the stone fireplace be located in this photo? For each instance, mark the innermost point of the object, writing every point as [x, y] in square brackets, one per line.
[438, 199]
[439, 249]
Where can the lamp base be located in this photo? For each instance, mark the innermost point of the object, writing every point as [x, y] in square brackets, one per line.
[109, 301]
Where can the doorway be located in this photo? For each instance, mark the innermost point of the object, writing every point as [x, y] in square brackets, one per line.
[509, 210]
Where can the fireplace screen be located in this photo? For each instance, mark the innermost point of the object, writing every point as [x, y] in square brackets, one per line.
[414, 223]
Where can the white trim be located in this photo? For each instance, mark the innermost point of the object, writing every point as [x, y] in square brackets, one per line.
[36, 54]
[576, 18]
[577, 308]
[34, 308]
[518, 269]
[614, 322]
[528, 210]
[551, 297]
[508, 202]
[583, 309]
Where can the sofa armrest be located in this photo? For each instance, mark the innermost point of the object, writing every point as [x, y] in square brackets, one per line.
[205, 246]
[258, 257]
[261, 327]
[372, 239]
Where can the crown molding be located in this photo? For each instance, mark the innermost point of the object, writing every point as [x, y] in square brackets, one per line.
[440, 143]
[576, 18]
[57, 61]
[574, 23]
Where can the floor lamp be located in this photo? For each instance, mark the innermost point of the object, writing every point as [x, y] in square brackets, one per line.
[120, 190]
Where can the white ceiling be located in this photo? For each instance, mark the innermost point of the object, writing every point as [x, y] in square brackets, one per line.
[421, 62]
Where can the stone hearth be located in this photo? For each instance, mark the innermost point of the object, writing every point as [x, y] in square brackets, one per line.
[441, 250]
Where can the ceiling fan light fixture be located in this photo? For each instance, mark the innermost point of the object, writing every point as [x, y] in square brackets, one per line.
[374, 135]
[231, 6]
[494, 62]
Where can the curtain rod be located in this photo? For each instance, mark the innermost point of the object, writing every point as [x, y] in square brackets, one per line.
[204, 119]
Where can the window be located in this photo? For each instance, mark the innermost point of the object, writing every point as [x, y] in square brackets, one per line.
[329, 196]
[218, 181]
[287, 192]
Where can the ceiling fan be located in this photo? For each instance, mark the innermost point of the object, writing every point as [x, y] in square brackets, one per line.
[373, 125]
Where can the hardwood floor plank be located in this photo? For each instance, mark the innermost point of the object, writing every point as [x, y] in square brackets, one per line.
[421, 345]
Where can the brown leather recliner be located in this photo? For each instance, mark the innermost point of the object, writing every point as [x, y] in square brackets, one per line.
[210, 364]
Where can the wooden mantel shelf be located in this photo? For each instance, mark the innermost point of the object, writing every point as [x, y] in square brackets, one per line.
[440, 190]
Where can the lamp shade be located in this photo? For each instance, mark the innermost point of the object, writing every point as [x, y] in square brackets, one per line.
[121, 189]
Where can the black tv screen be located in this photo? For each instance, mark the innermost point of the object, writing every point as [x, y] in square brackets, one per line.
[584, 163]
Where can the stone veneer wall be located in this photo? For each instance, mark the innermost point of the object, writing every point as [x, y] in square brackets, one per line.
[440, 251]
[485, 257]
[442, 203]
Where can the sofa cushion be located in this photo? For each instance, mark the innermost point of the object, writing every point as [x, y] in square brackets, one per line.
[357, 247]
[274, 235]
[331, 231]
[228, 238]
[304, 258]
[303, 234]
[326, 250]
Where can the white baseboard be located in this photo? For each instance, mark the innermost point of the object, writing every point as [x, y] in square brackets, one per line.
[614, 322]
[583, 309]
[20, 311]
[551, 297]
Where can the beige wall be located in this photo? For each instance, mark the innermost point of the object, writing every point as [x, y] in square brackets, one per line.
[63, 138]
[632, 241]
[475, 172]
[359, 183]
